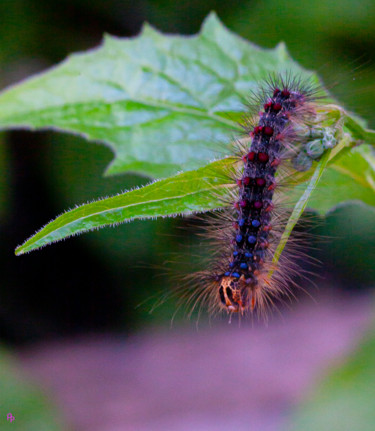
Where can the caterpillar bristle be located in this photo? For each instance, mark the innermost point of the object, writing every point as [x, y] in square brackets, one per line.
[242, 277]
[239, 275]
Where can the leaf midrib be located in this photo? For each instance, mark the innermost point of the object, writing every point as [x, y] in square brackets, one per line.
[172, 108]
[75, 221]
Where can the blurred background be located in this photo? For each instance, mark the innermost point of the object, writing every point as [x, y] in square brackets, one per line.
[77, 315]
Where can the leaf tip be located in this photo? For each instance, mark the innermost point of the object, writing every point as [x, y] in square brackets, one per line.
[212, 16]
[19, 251]
[282, 50]
[148, 30]
[211, 21]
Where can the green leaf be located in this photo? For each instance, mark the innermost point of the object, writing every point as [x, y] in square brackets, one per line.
[198, 191]
[186, 193]
[161, 103]
[345, 400]
[168, 103]
[349, 178]
[300, 207]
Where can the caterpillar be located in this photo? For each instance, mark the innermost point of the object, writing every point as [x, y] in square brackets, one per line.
[281, 139]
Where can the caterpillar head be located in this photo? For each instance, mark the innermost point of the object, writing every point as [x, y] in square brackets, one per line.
[233, 293]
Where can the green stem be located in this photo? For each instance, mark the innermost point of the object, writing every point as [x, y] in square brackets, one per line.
[299, 208]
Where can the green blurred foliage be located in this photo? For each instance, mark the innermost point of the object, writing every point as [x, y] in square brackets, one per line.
[335, 38]
[344, 400]
[346, 247]
[30, 408]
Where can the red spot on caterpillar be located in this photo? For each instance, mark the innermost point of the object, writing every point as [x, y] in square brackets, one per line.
[250, 156]
[235, 225]
[276, 107]
[263, 157]
[236, 206]
[270, 207]
[260, 182]
[243, 203]
[258, 205]
[276, 92]
[285, 93]
[258, 129]
[268, 131]
[267, 228]
[239, 183]
[275, 162]
[267, 106]
[246, 180]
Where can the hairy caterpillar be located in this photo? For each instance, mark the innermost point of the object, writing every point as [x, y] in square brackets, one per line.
[281, 140]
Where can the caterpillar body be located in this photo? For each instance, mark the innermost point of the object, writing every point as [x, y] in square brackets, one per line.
[283, 139]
